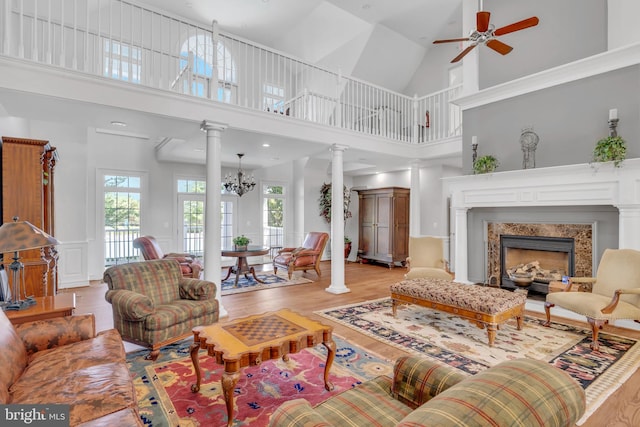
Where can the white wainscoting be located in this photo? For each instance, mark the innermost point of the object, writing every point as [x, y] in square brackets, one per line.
[73, 269]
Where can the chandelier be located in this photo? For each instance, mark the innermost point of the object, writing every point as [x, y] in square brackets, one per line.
[240, 184]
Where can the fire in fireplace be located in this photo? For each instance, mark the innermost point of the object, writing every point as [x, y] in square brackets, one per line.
[534, 261]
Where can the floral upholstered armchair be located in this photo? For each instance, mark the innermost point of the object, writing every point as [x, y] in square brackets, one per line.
[305, 257]
[150, 249]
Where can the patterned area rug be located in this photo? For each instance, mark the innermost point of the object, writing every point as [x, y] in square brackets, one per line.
[270, 281]
[164, 392]
[460, 344]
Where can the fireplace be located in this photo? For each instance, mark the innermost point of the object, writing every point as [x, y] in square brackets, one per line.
[541, 259]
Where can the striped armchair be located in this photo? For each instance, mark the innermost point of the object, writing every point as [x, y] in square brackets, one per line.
[154, 305]
[523, 392]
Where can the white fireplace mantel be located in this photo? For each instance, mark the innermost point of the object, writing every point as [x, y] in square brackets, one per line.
[570, 185]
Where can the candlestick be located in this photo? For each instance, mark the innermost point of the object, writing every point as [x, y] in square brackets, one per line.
[474, 147]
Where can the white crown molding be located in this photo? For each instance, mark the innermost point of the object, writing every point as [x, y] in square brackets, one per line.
[611, 60]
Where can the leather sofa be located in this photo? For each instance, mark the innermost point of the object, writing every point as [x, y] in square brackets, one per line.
[64, 361]
[522, 392]
[154, 305]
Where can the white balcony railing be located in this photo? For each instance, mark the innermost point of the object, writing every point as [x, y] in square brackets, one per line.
[129, 41]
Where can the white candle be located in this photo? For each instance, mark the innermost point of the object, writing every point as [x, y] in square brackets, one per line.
[613, 114]
[474, 140]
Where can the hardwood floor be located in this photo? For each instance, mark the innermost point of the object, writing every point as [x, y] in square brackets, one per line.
[366, 282]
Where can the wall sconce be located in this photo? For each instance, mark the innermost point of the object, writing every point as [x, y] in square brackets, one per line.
[19, 236]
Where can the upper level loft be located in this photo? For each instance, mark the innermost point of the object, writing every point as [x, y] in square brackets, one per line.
[142, 46]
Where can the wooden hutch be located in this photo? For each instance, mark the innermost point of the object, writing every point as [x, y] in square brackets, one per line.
[27, 193]
[384, 225]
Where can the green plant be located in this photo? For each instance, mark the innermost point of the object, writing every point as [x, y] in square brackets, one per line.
[325, 202]
[241, 240]
[347, 240]
[611, 148]
[485, 164]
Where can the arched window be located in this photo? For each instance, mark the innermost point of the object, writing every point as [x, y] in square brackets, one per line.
[197, 51]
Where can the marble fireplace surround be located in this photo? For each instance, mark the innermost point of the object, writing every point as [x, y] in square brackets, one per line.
[570, 185]
[580, 233]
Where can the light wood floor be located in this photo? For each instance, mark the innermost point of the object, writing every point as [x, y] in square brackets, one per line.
[366, 282]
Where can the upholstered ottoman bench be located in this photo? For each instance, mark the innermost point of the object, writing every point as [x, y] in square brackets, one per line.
[484, 306]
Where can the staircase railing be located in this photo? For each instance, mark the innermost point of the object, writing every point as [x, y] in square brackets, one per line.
[138, 44]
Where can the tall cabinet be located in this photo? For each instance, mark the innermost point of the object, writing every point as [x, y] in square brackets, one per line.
[27, 193]
[384, 225]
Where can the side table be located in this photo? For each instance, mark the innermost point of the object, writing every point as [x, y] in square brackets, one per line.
[45, 308]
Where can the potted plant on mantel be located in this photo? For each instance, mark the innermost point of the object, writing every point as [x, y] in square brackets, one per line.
[240, 243]
[610, 149]
[485, 164]
[325, 210]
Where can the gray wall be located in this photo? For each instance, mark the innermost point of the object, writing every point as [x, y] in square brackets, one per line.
[569, 119]
[568, 30]
[605, 232]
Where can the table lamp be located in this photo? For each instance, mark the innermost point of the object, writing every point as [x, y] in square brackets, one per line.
[19, 236]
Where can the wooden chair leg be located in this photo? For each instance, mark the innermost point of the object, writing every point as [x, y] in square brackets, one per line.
[596, 325]
[547, 310]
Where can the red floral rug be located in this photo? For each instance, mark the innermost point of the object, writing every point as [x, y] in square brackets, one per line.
[164, 387]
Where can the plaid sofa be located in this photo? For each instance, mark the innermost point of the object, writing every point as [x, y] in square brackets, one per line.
[154, 305]
[522, 392]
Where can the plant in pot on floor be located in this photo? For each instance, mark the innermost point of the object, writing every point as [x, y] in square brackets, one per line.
[240, 243]
[347, 247]
[325, 210]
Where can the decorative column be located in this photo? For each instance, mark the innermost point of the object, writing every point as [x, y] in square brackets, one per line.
[461, 252]
[629, 226]
[414, 200]
[212, 235]
[337, 222]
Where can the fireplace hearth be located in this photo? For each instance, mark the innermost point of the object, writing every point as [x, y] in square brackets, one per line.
[539, 258]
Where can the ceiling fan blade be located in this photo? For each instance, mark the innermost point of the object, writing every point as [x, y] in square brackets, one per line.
[482, 21]
[451, 40]
[463, 53]
[499, 47]
[517, 26]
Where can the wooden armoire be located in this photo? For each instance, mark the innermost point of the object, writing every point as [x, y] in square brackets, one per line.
[384, 225]
[27, 193]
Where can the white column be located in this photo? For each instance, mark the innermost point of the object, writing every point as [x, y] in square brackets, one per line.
[470, 64]
[628, 226]
[6, 34]
[337, 222]
[212, 235]
[414, 200]
[461, 258]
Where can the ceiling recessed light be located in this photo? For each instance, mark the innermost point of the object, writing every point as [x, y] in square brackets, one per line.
[266, 145]
[118, 123]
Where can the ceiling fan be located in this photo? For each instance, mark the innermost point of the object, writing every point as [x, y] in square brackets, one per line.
[486, 34]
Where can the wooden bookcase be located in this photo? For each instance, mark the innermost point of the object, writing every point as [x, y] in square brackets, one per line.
[27, 193]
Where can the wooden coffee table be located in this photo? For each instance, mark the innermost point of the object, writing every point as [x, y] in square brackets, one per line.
[250, 340]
